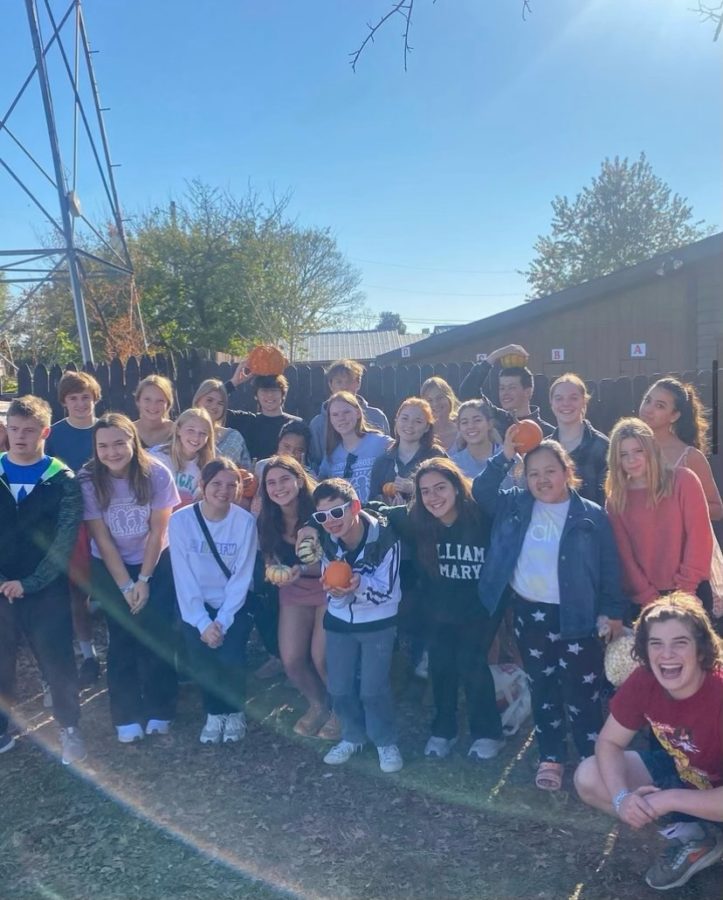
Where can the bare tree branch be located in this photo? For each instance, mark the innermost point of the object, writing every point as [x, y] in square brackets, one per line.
[403, 8]
[713, 13]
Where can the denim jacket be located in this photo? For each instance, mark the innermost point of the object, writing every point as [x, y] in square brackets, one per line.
[588, 566]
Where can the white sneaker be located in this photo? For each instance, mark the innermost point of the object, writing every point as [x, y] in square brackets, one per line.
[235, 728]
[439, 746]
[390, 759]
[158, 726]
[212, 731]
[72, 744]
[342, 752]
[127, 734]
[485, 748]
[421, 670]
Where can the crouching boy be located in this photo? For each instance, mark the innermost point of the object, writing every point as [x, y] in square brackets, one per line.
[360, 623]
[678, 692]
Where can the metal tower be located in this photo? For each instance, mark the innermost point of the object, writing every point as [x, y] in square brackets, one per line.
[76, 141]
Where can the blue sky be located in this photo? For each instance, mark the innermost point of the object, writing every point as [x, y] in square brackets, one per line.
[437, 181]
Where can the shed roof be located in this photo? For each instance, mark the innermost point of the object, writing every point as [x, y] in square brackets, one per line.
[624, 279]
[326, 346]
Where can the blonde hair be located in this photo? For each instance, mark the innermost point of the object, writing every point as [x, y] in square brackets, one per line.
[210, 386]
[445, 388]
[658, 479]
[173, 448]
[158, 381]
[571, 378]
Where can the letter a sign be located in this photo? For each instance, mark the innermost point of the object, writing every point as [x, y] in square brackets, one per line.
[638, 351]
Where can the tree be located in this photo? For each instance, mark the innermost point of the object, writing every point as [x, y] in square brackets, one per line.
[626, 215]
[218, 272]
[390, 321]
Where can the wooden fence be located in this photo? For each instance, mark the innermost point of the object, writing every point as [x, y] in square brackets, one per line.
[385, 387]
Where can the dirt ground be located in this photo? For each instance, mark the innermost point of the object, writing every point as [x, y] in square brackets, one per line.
[170, 818]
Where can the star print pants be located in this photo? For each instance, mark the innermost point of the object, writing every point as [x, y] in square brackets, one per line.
[565, 679]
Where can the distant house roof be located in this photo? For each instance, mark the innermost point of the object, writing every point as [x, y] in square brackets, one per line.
[623, 279]
[364, 346]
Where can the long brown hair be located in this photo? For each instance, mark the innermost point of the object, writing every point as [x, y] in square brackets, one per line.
[659, 480]
[139, 471]
[333, 438]
[271, 521]
[691, 427]
[428, 530]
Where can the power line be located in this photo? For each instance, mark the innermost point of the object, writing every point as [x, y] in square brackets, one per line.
[380, 287]
[393, 265]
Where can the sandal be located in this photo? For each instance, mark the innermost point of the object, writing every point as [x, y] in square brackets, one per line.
[549, 776]
[311, 722]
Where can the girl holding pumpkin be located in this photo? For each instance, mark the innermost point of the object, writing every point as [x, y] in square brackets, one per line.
[212, 396]
[352, 445]
[553, 558]
[392, 477]
[444, 403]
[478, 438]
[190, 448]
[154, 399]
[659, 516]
[213, 548]
[286, 504]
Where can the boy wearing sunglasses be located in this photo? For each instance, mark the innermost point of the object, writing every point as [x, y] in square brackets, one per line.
[360, 622]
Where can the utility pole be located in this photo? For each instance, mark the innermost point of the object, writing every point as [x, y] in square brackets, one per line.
[61, 184]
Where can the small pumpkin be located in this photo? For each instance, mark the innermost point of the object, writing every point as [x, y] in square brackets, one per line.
[513, 361]
[278, 574]
[389, 490]
[528, 436]
[619, 661]
[309, 551]
[249, 484]
[337, 574]
[265, 359]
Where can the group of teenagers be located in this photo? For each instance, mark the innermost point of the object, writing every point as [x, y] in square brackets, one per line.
[187, 533]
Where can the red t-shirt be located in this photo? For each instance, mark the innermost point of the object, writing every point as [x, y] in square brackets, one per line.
[690, 730]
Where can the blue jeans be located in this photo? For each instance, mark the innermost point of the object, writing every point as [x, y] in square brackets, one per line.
[364, 707]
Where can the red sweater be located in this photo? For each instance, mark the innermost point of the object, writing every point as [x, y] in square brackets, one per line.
[665, 547]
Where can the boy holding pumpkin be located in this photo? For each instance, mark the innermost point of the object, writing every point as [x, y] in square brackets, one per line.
[360, 572]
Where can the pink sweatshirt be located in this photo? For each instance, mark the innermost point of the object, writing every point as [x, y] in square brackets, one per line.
[664, 547]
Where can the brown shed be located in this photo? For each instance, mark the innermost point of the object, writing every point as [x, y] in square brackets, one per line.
[662, 315]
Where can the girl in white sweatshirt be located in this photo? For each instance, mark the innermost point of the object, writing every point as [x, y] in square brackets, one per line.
[213, 547]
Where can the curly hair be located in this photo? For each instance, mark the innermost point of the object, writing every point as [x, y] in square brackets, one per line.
[691, 425]
[685, 608]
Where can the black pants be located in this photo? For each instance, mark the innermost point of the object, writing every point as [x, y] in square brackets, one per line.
[221, 672]
[142, 682]
[44, 618]
[565, 676]
[458, 652]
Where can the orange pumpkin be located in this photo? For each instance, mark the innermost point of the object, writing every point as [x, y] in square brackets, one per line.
[528, 436]
[249, 484]
[337, 574]
[267, 360]
[389, 490]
